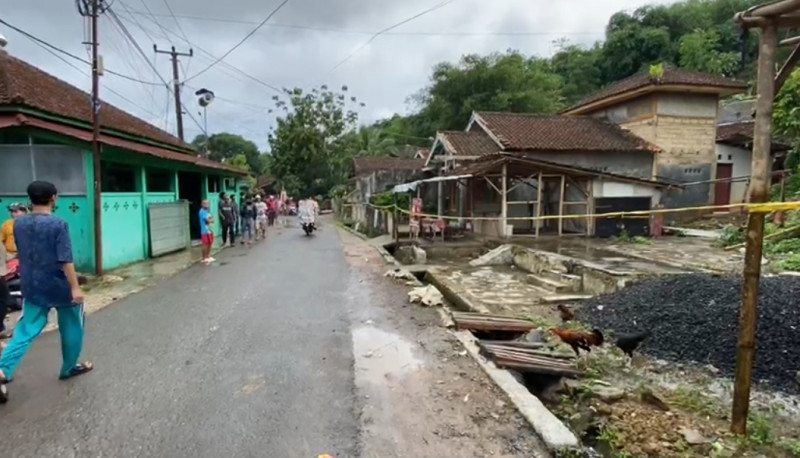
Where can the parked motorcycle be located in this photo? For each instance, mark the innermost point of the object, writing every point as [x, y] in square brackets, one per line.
[14, 284]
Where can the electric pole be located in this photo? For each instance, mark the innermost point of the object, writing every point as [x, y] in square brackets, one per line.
[176, 84]
[93, 9]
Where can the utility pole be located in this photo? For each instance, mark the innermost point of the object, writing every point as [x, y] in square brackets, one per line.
[176, 84]
[759, 187]
[94, 10]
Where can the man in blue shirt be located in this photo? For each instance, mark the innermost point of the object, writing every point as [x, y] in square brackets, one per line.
[206, 232]
[48, 281]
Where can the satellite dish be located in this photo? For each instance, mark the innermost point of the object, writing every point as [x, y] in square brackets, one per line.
[3, 41]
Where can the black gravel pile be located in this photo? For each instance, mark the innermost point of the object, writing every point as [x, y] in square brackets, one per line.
[694, 317]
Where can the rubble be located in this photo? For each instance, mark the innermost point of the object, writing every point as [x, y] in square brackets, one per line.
[694, 317]
[426, 295]
[411, 254]
[502, 255]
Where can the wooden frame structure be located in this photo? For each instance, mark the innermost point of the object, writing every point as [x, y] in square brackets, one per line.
[560, 191]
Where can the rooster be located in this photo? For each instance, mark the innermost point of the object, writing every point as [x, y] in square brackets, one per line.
[567, 314]
[579, 340]
[630, 342]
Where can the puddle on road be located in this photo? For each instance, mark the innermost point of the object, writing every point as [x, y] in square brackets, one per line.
[380, 355]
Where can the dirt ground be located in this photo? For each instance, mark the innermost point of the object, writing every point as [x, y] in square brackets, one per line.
[422, 394]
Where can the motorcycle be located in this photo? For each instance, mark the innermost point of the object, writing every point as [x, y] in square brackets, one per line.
[14, 283]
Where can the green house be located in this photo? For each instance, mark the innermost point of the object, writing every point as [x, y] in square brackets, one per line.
[151, 182]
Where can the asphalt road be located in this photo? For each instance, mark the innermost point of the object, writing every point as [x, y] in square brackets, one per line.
[250, 357]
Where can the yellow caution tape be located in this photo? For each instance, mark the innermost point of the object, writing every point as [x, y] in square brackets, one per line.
[768, 207]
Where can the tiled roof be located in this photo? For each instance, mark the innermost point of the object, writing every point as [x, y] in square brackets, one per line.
[528, 132]
[374, 164]
[423, 153]
[25, 85]
[672, 76]
[463, 143]
[738, 133]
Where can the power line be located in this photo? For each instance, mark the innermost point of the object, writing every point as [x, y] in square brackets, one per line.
[368, 32]
[236, 69]
[69, 54]
[80, 70]
[246, 37]
[149, 63]
[177, 22]
[382, 31]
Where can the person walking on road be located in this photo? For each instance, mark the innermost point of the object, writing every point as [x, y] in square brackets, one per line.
[261, 218]
[206, 231]
[227, 217]
[49, 281]
[248, 218]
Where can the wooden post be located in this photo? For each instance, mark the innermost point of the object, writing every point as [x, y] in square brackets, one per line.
[396, 221]
[780, 217]
[590, 209]
[504, 200]
[561, 205]
[539, 186]
[748, 313]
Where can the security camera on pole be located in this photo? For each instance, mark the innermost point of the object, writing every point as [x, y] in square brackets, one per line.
[204, 99]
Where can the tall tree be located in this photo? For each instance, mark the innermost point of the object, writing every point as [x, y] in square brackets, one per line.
[310, 145]
[223, 146]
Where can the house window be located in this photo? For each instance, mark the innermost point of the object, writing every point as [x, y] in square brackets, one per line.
[159, 181]
[213, 184]
[692, 171]
[118, 178]
[61, 165]
[730, 157]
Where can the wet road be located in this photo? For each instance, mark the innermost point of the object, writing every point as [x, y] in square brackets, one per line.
[251, 357]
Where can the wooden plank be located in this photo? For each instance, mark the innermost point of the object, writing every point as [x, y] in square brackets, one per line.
[539, 186]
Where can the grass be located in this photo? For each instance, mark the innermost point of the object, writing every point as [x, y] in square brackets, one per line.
[694, 400]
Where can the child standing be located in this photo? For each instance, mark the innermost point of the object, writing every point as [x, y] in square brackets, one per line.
[49, 281]
[206, 233]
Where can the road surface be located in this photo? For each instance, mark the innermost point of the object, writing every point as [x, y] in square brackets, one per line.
[288, 349]
[251, 357]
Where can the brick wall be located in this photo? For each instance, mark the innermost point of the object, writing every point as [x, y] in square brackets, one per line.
[686, 140]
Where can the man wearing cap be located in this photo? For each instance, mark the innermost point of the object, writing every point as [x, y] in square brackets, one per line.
[49, 281]
[7, 230]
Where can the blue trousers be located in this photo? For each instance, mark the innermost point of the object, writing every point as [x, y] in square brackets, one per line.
[31, 324]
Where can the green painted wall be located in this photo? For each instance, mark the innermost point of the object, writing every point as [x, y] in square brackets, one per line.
[124, 215]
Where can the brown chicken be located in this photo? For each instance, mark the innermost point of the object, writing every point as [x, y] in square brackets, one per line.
[579, 339]
[567, 314]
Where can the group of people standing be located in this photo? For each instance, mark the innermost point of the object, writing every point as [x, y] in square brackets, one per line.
[248, 220]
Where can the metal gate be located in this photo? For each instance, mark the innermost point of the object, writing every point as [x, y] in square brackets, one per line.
[169, 227]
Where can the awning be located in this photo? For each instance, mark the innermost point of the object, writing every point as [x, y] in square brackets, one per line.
[74, 132]
[409, 187]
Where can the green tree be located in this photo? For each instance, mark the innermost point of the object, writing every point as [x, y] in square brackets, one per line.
[497, 82]
[310, 147]
[700, 51]
[578, 69]
[224, 146]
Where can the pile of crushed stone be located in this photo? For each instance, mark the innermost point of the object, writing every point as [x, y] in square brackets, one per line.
[694, 317]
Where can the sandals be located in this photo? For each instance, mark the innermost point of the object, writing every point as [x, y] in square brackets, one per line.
[79, 369]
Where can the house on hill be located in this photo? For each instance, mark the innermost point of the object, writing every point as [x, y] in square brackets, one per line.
[677, 111]
[151, 182]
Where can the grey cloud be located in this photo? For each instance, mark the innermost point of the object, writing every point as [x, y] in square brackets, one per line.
[383, 75]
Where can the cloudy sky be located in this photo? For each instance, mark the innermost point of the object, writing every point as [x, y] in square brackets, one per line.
[307, 42]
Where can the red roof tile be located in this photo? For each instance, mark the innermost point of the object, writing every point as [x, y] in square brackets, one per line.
[25, 85]
[741, 133]
[460, 143]
[672, 76]
[374, 164]
[530, 132]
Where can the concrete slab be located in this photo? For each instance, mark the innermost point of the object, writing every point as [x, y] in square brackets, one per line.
[550, 429]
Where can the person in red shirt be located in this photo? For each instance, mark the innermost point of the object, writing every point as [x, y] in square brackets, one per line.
[272, 210]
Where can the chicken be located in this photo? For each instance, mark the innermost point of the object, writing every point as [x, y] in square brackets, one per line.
[567, 314]
[579, 340]
[630, 342]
